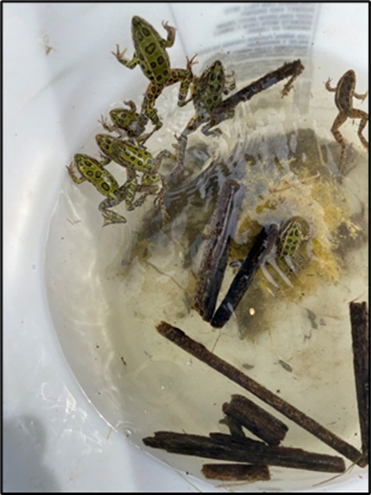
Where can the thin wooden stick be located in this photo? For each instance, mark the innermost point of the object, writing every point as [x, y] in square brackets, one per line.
[228, 448]
[199, 351]
[289, 69]
[360, 338]
[245, 275]
[236, 472]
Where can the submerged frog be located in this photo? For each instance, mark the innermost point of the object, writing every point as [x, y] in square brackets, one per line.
[344, 93]
[93, 171]
[128, 120]
[293, 234]
[151, 55]
[207, 92]
[135, 158]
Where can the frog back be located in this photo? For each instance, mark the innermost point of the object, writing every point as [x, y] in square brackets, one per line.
[149, 49]
[99, 177]
[293, 233]
[131, 156]
[345, 90]
[209, 87]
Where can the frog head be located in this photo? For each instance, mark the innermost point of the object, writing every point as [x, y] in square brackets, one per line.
[84, 164]
[104, 141]
[140, 28]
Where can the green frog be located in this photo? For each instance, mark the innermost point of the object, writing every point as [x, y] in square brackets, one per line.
[137, 159]
[128, 120]
[93, 171]
[344, 93]
[293, 234]
[207, 91]
[150, 53]
[211, 110]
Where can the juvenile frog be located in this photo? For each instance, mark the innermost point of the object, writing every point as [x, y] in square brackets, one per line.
[150, 53]
[344, 93]
[293, 234]
[207, 91]
[135, 158]
[104, 182]
[128, 120]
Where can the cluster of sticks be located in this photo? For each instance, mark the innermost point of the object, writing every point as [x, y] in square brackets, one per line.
[249, 459]
[215, 257]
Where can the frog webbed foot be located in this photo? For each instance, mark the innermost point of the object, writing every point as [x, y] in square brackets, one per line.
[110, 217]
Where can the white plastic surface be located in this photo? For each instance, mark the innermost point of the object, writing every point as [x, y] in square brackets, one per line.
[59, 76]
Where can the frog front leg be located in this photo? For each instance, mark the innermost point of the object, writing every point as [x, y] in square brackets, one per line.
[230, 83]
[71, 171]
[170, 35]
[130, 64]
[360, 97]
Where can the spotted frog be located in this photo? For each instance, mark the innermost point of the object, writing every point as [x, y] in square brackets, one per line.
[136, 159]
[151, 55]
[344, 93]
[293, 234]
[93, 171]
[207, 91]
[128, 120]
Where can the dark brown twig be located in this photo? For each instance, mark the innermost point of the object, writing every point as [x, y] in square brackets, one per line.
[228, 448]
[199, 351]
[236, 472]
[360, 338]
[214, 261]
[245, 275]
[289, 69]
[260, 422]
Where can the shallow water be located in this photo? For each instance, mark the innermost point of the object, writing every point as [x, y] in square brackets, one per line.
[108, 288]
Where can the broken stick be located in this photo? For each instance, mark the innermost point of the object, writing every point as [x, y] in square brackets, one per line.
[360, 339]
[245, 275]
[214, 260]
[260, 422]
[236, 472]
[228, 448]
[199, 351]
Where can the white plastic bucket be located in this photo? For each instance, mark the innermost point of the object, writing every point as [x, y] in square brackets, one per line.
[59, 77]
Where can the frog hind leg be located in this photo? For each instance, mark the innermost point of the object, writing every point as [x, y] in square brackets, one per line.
[148, 182]
[360, 114]
[339, 121]
[185, 78]
[181, 146]
[148, 106]
[110, 217]
[154, 90]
